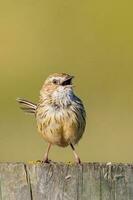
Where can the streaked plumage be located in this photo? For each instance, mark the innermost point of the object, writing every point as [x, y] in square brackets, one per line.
[60, 114]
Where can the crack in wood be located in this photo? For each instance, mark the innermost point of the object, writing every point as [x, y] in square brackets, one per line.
[28, 181]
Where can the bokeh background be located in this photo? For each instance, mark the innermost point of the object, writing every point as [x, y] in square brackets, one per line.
[92, 40]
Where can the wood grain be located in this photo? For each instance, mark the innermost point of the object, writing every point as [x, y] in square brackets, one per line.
[58, 181]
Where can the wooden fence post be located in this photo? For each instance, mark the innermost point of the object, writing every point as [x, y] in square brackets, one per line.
[58, 181]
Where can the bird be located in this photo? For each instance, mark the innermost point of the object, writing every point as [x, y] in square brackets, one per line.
[59, 113]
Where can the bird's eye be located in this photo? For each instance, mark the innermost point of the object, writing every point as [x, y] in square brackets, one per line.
[55, 81]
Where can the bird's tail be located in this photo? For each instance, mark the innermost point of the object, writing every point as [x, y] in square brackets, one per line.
[27, 106]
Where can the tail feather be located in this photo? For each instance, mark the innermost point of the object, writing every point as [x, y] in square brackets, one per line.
[27, 106]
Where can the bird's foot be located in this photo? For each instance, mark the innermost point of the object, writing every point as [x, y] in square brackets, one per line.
[46, 161]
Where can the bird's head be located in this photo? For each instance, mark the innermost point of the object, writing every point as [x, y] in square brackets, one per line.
[58, 87]
[59, 79]
[57, 82]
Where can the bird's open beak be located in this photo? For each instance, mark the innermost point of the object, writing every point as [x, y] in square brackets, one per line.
[68, 81]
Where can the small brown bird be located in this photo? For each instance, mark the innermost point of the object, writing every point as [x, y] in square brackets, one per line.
[60, 114]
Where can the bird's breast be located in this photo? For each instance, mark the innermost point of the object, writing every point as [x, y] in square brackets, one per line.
[59, 126]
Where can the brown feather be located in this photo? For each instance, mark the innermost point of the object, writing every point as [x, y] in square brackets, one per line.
[26, 105]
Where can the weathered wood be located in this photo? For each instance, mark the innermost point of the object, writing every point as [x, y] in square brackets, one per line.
[57, 181]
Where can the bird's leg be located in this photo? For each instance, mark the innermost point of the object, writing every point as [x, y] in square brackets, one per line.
[75, 154]
[45, 159]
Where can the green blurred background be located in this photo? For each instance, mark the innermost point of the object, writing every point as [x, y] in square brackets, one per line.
[92, 40]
